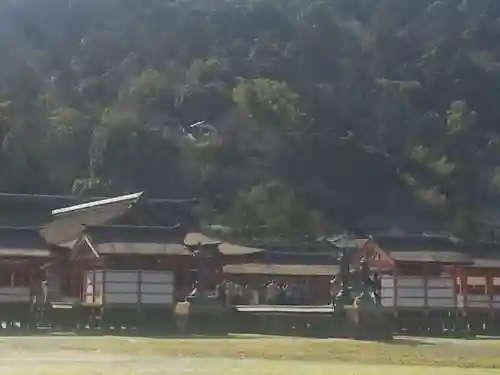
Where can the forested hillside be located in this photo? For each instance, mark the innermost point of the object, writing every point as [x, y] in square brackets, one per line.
[319, 114]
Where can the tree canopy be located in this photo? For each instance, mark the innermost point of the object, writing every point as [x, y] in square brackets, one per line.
[318, 114]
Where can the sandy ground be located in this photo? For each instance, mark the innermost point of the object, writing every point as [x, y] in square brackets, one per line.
[41, 359]
[53, 363]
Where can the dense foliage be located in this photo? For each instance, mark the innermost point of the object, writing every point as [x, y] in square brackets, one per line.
[319, 113]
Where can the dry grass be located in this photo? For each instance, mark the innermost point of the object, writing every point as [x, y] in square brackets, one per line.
[250, 367]
[434, 353]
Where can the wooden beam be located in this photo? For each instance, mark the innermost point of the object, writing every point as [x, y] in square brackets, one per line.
[91, 247]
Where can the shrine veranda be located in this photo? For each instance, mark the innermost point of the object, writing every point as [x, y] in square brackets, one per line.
[124, 264]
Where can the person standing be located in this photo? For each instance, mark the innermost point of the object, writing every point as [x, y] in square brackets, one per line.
[272, 290]
[230, 292]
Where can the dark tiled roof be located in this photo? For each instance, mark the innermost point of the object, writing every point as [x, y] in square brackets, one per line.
[22, 242]
[58, 201]
[281, 269]
[29, 210]
[486, 262]
[423, 256]
[424, 248]
[49, 202]
[302, 257]
[137, 240]
[441, 240]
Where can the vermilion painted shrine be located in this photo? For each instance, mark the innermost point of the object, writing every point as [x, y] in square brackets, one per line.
[129, 261]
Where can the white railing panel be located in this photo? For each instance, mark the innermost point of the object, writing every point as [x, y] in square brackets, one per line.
[476, 280]
[441, 282]
[116, 298]
[387, 292]
[157, 288]
[410, 302]
[410, 282]
[129, 287]
[440, 293]
[113, 276]
[441, 302]
[157, 277]
[411, 292]
[121, 288]
[160, 299]
[478, 298]
[387, 281]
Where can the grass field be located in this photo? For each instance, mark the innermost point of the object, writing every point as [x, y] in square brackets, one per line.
[245, 355]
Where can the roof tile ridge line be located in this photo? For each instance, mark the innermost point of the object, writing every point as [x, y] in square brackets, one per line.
[89, 197]
[178, 225]
[57, 196]
[89, 241]
[23, 227]
[171, 200]
[97, 203]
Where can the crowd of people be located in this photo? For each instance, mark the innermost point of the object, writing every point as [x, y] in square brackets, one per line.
[271, 293]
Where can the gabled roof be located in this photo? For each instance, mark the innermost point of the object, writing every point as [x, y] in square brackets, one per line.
[421, 239]
[62, 217]
[480, 262]
[67, 223]
[444, 257]
[135, 240]
[484, 254]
